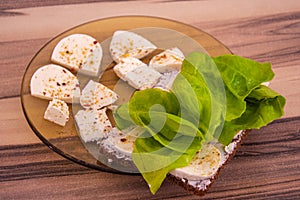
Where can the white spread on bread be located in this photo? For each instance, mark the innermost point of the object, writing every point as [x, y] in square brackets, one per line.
[204, 164]
[202, 184]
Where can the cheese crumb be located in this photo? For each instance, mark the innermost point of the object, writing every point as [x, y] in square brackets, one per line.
[57, 112]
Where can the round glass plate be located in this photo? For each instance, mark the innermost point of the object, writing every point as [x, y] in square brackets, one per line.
[163, 33]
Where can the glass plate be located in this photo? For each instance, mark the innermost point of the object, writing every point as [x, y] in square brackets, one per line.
[163, 33]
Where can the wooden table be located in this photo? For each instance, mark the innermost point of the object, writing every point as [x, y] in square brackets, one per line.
[267, 166]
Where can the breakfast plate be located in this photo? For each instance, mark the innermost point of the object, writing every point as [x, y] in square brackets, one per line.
[165, 33]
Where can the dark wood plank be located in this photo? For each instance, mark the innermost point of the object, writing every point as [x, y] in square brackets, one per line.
[267, 166]
[272, 38]
[14, 58]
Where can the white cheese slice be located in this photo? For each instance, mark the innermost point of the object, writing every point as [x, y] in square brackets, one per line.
[127, 65]
[95, 95]
[79, 52]
[57, 112]
[53, 81]
[204, 165]
[168, 60]
[117, 148]
[129, 44]
[122, 142]
[93, 125]
[119, 142]
[142, 78]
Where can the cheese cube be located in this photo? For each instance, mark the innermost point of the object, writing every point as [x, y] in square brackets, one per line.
[142, 78]
[57, 112]
[93, 125]
[126, 65]
[95, 95]
[169, 60]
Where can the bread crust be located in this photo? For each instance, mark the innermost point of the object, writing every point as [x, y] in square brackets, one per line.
[202, 186]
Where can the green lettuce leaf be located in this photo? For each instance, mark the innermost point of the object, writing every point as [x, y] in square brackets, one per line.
[210, 98]
[240, 76]
[122, 117]
[263, 106]
[201, 93]
[168, 142]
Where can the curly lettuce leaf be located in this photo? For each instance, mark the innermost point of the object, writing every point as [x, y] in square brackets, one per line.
[202, 93]
[168, 142]
[263, 106]
[211, 97]
[240, 76]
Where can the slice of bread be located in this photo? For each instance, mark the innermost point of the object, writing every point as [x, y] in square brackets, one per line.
[200, 187]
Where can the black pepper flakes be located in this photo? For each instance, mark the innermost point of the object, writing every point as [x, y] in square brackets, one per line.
[123, 139]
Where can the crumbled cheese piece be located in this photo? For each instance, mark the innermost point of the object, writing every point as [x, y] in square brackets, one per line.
[95, 95]
[166, 80]
[93, 125]
[53, 81]
[79, 52]
[57, 112]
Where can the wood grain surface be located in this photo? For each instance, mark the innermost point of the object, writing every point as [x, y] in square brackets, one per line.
[267, 166]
